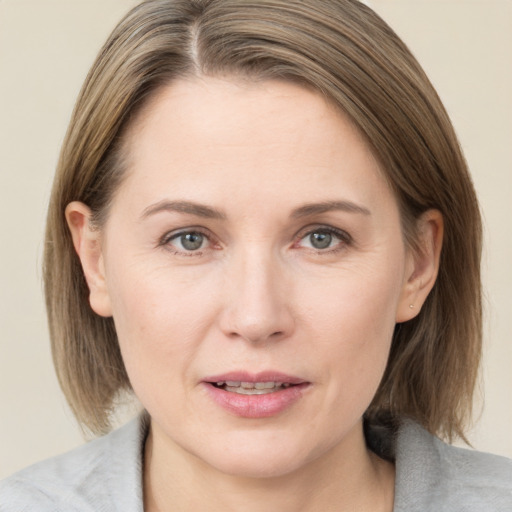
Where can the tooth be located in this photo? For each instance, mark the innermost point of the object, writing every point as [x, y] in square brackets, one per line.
[233, 383]
[260, 385]
[286, 384]
[221, 383]
[253, 391]
[269, 385]
[248, 385]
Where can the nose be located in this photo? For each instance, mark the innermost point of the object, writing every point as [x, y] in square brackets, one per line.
[257, 305]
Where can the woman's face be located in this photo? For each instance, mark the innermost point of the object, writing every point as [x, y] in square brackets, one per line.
[253, 242]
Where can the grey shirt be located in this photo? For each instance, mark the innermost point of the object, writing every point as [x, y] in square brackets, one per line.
[106, 475]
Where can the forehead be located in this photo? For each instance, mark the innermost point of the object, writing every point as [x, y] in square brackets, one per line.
[208, 137]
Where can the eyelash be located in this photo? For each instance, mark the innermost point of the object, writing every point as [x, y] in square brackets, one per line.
[344, 238]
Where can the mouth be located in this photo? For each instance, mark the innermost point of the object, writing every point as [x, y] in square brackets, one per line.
[252, 388]
[260, 395]
[245, 383]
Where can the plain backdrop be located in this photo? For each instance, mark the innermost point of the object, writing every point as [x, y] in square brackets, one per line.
[46, 49]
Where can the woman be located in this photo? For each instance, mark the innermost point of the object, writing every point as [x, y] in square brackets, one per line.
[263, 226]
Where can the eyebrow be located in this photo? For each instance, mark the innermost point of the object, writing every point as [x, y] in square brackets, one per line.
[328, 206]
[200, 210]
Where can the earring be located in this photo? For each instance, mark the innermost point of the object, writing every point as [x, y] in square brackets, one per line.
[411, 306]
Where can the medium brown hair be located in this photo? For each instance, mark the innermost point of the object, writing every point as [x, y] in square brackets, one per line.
[343, 50]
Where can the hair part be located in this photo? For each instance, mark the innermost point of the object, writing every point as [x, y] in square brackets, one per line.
[343, 50]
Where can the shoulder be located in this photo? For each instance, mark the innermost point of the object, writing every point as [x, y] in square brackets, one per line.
[432, 475]
[104, 474]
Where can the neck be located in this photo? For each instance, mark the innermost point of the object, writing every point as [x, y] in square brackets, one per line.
[347, 477]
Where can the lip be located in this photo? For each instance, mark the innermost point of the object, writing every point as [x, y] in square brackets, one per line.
[256, 406]
[266, 376]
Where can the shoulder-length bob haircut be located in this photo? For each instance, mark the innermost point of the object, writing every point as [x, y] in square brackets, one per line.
[345, 52]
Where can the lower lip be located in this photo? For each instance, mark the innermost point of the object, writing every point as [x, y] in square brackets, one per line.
[256, 406]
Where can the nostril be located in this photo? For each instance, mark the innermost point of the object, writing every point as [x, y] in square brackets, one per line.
[241, 320]
[256, 337]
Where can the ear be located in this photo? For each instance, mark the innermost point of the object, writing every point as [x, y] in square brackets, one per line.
[422, 265]
[87, 243]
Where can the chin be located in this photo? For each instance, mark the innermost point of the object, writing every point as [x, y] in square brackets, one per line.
[258, 456]
[264, 465]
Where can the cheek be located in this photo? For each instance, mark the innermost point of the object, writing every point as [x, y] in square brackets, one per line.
[149, 297]
[353, 323]
[357, 302]
[160, 318]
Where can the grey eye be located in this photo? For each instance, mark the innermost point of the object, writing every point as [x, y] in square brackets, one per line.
[320, 240]
[191, 241]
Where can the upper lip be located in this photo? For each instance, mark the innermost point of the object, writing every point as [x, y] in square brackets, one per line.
[265, 376]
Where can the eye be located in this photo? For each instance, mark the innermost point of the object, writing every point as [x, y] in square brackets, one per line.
[324, 238]
[186, 241]
[320, 240]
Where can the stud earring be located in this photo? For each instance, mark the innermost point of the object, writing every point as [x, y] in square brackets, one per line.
[411, 306]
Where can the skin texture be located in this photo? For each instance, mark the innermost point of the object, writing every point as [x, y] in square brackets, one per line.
[256, 295]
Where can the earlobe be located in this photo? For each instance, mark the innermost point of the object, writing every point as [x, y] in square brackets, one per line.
[87, 244]
[422, 265]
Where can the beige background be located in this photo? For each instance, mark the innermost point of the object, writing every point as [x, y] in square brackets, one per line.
[46, 48]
